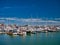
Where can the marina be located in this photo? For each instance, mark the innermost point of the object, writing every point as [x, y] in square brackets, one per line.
[13, 34]
[21, 30]
[29, 22]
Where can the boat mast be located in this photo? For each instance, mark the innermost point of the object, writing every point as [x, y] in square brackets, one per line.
[31, 20]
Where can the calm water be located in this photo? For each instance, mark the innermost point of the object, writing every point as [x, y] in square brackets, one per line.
[50, 38]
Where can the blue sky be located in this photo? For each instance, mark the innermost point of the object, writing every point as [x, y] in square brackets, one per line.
[28, 8]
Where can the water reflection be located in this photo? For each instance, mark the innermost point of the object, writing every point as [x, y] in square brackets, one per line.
[12, 36]
[31, 39]
[48, 34]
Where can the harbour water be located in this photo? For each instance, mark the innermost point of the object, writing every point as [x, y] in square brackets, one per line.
[49, 38]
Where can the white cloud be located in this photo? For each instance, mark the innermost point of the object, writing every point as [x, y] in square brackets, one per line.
[7, 18]
[57, 18]
[28, 20]
[37, 20]
[7, 7]
[2, 20]
[48, 21]
[10, 18]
